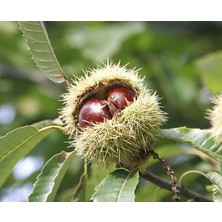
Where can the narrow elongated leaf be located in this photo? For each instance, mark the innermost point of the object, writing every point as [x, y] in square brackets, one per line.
[17, 144]
[41, 50]
[216, 179]
[80, 192]
[49, 179]
[197, 138]
[118, 186]
[43, 124]
[216, 188]
[95, 177]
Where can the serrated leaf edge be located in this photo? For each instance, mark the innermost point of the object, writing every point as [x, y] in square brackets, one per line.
[61, 75]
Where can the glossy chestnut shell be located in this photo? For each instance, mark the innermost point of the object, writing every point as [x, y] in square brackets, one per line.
[95, 110]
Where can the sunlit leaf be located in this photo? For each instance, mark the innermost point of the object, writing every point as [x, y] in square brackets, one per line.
[197, 138]
[41, 50]
[118, 186]
[42, 124]
[17, 144]
[216, 187]
[210, 67]
[80, 191]
[216, 179]
[95, 177]
[51, 175]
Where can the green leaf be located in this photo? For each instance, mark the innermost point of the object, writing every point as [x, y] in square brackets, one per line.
[216, 179]
[210, 67]
[51, 175]
[118, 186]
[80, 191]
[216, 187]
[17, 144]
[95, 177]
[197, 138]
[41, 50]
[43, 124]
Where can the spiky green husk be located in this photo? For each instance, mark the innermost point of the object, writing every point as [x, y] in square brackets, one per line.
[108, 75]
[215, 117]
[127, 138]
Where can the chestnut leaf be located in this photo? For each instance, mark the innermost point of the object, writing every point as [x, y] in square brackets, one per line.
[18, 143]
[51, 175]
[202, 140]
[118, 186]
[216, 179]
[41, 50]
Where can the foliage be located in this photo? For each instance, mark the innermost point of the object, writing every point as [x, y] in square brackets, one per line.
[49, 180]
[18, 143]
[119, 186]
[199, 139]
[37, 39]
[181, 61]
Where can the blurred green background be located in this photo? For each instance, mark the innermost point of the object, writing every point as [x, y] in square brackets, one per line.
[166, 52]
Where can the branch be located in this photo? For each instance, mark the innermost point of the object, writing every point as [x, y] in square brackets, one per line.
[166, 185]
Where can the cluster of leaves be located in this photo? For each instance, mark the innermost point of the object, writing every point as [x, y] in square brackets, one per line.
[180, 74]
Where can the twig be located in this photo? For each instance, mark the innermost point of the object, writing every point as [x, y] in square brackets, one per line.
[166, 185]
[170, 172]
